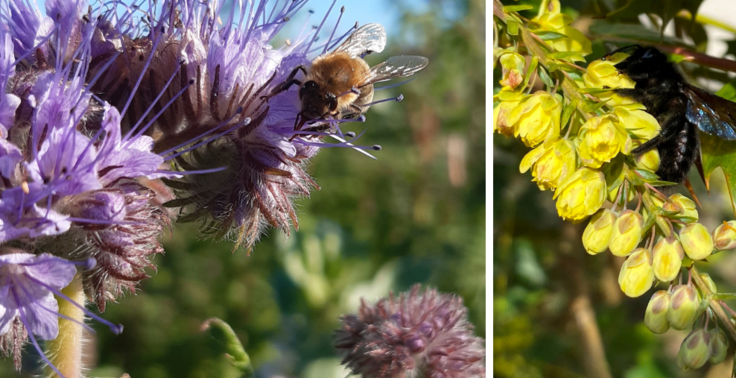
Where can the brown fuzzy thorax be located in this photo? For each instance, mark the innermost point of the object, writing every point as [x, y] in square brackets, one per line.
[335, 73]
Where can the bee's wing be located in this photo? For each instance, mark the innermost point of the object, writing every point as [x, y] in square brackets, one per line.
[367, 39]
[712, 114]
[395, 66]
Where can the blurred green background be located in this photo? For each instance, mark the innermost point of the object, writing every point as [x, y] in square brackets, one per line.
[416, 215]
[554, 305]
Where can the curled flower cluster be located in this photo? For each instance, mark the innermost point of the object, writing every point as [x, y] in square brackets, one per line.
[417, 334]
[100, 101]
[583, 134]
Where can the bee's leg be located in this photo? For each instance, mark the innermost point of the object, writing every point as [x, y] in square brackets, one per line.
[669, 126]
[637, 95]
[287, 83]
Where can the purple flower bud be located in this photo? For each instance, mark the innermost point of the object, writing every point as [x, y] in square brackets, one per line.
[417, 333]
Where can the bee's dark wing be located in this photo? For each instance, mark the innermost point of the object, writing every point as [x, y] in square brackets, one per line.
[395, 66]
[712, 114]
[367, 39]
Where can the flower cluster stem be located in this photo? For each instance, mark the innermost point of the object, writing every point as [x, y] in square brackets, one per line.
[714, 304]
[65, 352]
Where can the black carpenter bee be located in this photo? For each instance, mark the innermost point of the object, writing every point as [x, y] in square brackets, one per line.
[680, 108]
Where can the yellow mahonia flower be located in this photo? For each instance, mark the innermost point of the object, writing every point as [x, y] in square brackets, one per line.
[598, 232]
[637, 121]
[683, 205]
[684, 307]
[636, 276]
[551, 165]
[667, 259]
[537, 118]
[626, 233]
[601, 139]
[648, 160]
[603, 74]
[513, 70]
[581, 195]
[507, 101]
[575, 41]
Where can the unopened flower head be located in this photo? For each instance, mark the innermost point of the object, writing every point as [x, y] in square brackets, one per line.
[598, 232]
[626, 233]
[718, 346]
[684, 307]
[636, 276]
[696, 241]
[418, 332]
[667, 259]
[694, 351]
[655, 317]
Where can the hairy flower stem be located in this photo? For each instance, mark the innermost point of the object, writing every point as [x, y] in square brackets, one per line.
[65, 352]
[725, 320]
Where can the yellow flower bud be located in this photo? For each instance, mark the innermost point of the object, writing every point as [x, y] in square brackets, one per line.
[637, 122]
[718, 346]
[667, 259]
[513, 70]
[598, 231]
[648, 160]
[602, 138]
[536, 118]
[694, 351]
[696, 241]
[636, 276]
[581, 195]
[552, 165]
[724, 237]
[655, 317]
[684, 306]
[501, 112]
[626, 233]
[685, 206]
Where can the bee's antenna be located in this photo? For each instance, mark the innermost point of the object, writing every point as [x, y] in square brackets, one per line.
[327, 44]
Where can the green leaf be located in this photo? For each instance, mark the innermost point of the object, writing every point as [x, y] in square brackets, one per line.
[563, 54]
[516, 8]
[717, 152]
[232, 347]
[632, 31]
[567, 112]
[549, 35]
[532, 66]
[728, 91]
[545, 77]
[512, 26]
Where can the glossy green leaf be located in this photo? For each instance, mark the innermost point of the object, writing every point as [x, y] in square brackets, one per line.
[717, 152]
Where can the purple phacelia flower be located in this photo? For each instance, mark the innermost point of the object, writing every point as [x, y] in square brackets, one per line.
[417, 334]
[214, 81]
[70, 167]
[28, 286]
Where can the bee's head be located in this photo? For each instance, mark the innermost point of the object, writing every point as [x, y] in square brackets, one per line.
[644, 62]
[315, 101]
